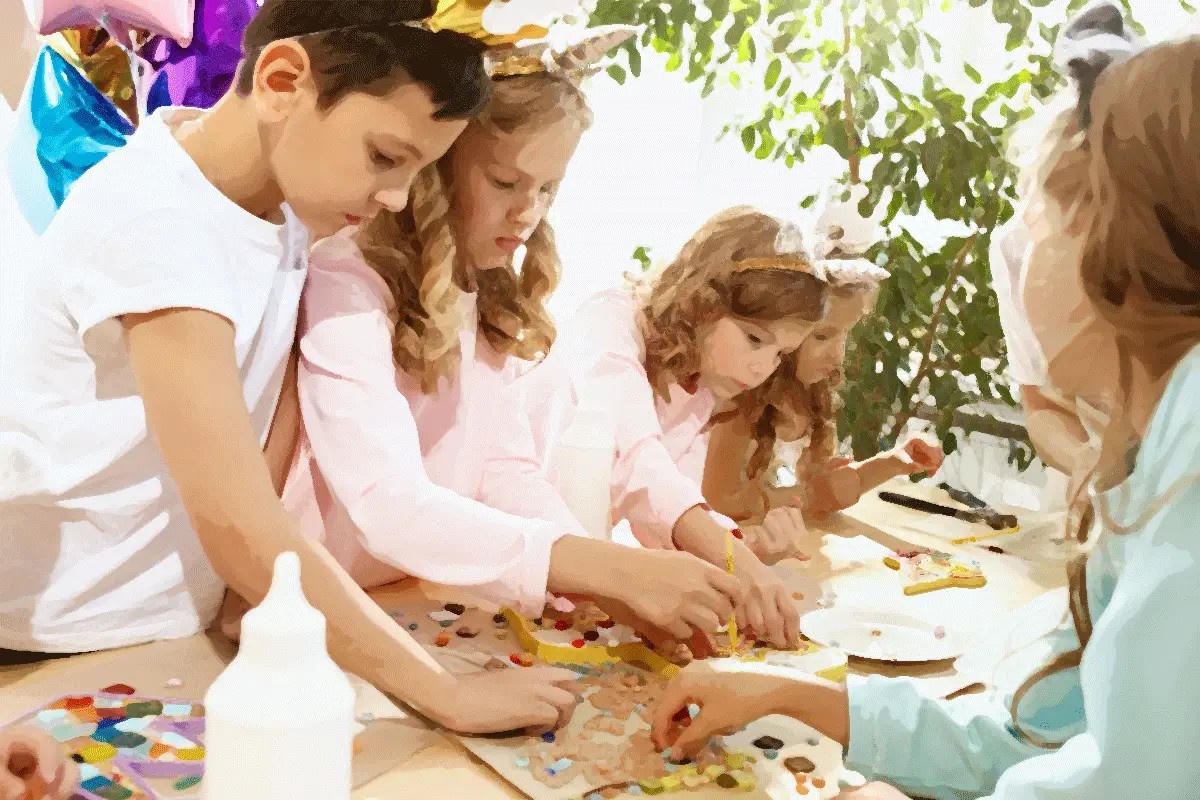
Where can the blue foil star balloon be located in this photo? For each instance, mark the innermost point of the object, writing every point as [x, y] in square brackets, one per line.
[64, 127]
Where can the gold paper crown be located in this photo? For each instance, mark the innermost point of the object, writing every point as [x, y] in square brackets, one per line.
[471, 17]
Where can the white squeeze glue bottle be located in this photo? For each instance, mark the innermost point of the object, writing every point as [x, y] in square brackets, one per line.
[279, 721]
[583, 460]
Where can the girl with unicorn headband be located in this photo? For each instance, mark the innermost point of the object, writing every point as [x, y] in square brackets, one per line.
[791, 420]
[411, 328]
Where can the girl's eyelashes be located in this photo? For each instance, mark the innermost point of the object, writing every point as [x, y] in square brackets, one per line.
[505, 185]
[383, 160]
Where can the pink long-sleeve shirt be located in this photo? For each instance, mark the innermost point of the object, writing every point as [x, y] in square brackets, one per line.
[388, 477]
[660, 446]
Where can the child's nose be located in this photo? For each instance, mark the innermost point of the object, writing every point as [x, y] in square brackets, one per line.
[394, 200]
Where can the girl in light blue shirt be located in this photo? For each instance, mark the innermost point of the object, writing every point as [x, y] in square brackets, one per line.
[1115, 714]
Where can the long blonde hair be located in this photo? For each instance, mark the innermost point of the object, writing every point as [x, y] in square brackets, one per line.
[1128, 184]
[703, 284]
[414, 251]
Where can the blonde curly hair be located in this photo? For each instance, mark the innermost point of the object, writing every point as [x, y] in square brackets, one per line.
[704, 284]
[415, 253]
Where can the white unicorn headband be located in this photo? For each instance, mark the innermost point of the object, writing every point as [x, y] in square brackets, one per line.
[575, 61]
[840, 230]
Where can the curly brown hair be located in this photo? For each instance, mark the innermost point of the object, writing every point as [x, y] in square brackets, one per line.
[414, 251]
[784, 403]
[703, 284]
[1126, 184]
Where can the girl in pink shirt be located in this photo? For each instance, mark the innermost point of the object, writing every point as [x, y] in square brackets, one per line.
[410, 331]
[661, 358]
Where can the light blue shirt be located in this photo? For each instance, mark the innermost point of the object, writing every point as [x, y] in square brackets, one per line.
[1129, 716]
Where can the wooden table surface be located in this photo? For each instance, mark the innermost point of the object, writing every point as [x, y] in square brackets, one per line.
[402, 758]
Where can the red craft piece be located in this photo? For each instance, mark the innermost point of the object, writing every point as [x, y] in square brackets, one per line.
[561, 625]
[737, 534]
[605, 623]
[118, 688]
[681, 715]
[577, 643]
[74, 703]
[515, 658]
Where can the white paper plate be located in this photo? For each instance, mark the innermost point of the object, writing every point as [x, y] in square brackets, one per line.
[881, 635]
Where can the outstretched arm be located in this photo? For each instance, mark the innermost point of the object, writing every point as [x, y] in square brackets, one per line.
[188, 378]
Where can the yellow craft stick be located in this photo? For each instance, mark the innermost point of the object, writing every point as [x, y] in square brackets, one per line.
[733, 637]
[969, 539]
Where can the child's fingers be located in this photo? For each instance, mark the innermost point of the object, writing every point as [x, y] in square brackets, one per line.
[68, 779]
[674, 699]
[699, 618]
[11, 787]
[692, 738]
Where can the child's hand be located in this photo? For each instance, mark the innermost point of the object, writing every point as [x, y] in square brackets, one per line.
[766, 607]
[517, 698]
[728, 700]
[33, 767]
[675, 591]
[921, 454]
[778, 537]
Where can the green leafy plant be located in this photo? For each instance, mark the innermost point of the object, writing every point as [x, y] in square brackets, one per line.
[876, 89]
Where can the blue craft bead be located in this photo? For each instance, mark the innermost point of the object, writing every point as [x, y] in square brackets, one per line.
[106, 735]
[548, 737]
[771, 754]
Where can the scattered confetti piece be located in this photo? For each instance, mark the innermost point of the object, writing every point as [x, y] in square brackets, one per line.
[799, 765]
[440, 616]
[118, 688]
[174, 683]
[455, 608]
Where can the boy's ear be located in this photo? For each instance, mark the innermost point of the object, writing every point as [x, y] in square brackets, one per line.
[282, 80]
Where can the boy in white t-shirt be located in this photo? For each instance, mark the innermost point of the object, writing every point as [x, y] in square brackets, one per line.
[143, 381]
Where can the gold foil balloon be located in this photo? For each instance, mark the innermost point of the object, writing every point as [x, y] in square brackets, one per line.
[103, 63]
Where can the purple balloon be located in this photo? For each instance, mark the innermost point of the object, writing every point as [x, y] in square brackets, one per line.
[199, 74]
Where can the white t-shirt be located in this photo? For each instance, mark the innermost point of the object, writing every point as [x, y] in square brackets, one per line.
[96, 550]
[1009, 252]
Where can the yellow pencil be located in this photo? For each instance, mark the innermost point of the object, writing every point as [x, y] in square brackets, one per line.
[733, 642]
[970, 539]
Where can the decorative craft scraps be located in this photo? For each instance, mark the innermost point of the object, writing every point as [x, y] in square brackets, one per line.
[613, 751]
[928, 570]
[128, 747]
